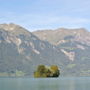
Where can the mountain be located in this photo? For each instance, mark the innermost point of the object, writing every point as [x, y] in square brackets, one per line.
[57, 36]
[75, 44]
[22, 51]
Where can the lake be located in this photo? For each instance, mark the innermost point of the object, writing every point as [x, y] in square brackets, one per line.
[62, 83]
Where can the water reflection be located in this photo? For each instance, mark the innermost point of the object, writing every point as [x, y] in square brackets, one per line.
[45, 84]
[71, 85]
[63, 84]
[48, 85]
[56, 84]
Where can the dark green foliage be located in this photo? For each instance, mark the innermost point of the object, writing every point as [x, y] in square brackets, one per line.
[43, 71]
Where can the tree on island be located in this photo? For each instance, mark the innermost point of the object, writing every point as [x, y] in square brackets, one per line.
[44, 71]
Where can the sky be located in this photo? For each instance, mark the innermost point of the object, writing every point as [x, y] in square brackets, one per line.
[46, 14]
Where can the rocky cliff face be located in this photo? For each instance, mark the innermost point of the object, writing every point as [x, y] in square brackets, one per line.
[22, 50]
[61, 35]
[74, 43]
[66, 39]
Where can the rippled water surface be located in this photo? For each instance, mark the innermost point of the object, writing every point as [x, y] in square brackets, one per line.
[62, 83]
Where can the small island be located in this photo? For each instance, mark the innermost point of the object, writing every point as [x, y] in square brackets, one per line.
[46, 71]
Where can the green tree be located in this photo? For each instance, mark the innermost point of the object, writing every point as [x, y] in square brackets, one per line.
[41, 68]
[40, 72]
[55, 71]
[43, 71]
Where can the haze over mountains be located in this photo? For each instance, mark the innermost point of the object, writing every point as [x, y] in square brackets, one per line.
[22, 50]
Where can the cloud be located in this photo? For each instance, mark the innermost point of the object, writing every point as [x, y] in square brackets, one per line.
[40, 20]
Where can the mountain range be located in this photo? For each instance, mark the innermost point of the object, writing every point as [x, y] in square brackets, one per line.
[21, 50]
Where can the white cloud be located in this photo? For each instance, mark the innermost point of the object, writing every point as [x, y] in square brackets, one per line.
[42, 21]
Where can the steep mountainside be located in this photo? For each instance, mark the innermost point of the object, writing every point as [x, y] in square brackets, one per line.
[59, 35]
[74, 43]
[21, 50]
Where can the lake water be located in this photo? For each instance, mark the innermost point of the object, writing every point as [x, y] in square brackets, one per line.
[62, 83]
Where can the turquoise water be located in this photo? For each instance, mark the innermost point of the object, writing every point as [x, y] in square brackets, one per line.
[62, 83]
